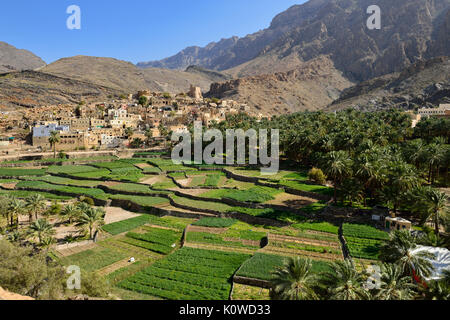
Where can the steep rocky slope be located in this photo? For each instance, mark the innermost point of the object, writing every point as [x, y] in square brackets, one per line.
[412, 30]
[312, 86]
[32, 89]
[12, 59]
[425, 83]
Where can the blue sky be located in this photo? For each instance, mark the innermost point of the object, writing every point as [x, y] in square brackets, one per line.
[132, 30]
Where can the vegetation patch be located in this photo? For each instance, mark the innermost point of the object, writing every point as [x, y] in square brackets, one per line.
[215, 222]
[12, 172]
[94, 259]
[317, 226]
[188, 274]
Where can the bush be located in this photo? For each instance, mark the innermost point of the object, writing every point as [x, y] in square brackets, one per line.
[55, 209]
[317, 175]
[87, 200]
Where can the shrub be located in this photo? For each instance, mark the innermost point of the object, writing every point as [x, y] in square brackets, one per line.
[55, 209]
[87, 200]
[317, 175]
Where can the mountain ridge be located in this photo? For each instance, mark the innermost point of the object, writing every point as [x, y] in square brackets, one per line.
[14, 59]
[412, 30]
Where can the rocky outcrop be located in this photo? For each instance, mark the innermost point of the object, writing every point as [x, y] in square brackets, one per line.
[425, 83]
[310, 87]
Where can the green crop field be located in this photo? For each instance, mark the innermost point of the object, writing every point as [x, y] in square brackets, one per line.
[94, 259]
[188, 274]
[363, 231]
[317, 226]
[215, 222]
[9, 172]
[261, 266]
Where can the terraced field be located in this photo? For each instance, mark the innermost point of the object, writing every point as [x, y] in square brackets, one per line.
[364, 242]
[188, 274]
[198, 225]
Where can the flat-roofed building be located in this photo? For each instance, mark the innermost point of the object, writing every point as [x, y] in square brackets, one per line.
[442, 111]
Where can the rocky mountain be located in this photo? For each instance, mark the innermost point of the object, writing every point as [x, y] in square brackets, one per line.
[33, 89]
[13, 59]
[311, 86]
[124, 76]
[412, 30]
[425, 83]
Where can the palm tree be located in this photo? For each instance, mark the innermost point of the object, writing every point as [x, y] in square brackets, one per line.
[41, 229]
[16, 207]
[54, 139]
[35, 205]
[91, 220]
[394, 284]
[399, 249]
[71, 212]
[338, 166]
[344, 282]
[402, 178]
[4, 204]
[294, 281]
[149, 135]
[436, 202]
[129, 132]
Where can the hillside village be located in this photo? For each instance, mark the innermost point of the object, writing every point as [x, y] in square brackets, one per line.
[144, 118]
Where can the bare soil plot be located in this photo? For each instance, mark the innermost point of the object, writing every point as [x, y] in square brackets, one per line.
[143, 165]
[116, 214]
[152, 180]
[292, 201]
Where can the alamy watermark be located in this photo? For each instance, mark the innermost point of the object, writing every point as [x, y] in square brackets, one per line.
[374, 21]
[74, 281]
[74, 20]
[374, 280]
[235, 147]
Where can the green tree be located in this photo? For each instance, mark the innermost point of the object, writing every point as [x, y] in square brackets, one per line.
[37, 277]
[70, 212]
[149, 135]
[136, 143]
[143, 101]
[394, 284]
[432, 204]
[129, 132]
[40, 229]
[16, 208]
[294, 281]
[344, 282]
[337, 167]
[399, 249]
[54, 139]
[91, 220]
[35, 205]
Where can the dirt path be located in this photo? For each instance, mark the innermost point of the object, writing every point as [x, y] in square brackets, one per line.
[114, 267]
